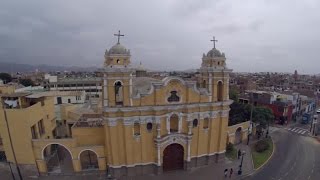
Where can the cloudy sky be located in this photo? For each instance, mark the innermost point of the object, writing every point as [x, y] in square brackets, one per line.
[256, 35]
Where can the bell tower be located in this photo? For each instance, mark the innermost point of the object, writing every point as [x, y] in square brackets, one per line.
[117, 82]
[214, 75]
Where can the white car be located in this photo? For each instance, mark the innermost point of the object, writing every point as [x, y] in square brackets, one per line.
[318, 111]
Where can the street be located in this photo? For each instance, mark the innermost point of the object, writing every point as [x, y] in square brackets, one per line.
[296, 157]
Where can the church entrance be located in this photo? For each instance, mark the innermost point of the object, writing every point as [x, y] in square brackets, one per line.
[173, 157]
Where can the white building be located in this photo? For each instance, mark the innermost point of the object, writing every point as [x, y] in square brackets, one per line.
[91, 85]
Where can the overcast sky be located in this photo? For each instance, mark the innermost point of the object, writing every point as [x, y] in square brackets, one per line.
[256, 35]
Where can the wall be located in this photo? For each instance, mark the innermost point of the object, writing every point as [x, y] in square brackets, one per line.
[87, 136]
[232, 130]
[4, 89]
[20, 122]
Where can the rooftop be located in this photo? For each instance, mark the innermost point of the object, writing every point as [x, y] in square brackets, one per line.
[56, 93]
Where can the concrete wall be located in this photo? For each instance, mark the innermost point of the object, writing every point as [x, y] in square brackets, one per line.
[231, 131]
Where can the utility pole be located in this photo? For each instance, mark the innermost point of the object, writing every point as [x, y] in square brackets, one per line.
[10, 139]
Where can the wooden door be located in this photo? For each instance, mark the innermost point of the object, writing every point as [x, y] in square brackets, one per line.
[173, 157]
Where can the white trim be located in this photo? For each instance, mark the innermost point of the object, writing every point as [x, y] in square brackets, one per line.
[87, 150]
[202, 155]
[133, 165]
[168, 106]
[166, 80]
[128, 121]
[58, 144]
[114, 83]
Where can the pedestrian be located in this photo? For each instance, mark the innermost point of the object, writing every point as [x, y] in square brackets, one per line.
[231, 172]
[226, 173]
[239, 153]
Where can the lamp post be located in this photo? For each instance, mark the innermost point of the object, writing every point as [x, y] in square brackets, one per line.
[240, 167]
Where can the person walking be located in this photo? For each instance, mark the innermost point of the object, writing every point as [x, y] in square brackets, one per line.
[226, 173]
[231, 172]
[239, 153]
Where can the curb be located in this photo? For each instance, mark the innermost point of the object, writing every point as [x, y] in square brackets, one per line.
[255, 170]
[274, 147]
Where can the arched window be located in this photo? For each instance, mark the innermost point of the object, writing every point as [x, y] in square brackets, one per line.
[149, 126]
[136, 129]
[118, 93]
[205, 123]
[118, 61]
[173, 97]
[174, 123]
[89, 160]
[220, 91]
[195, 123]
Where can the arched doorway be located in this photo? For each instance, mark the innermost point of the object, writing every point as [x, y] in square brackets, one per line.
[58, 159]
[173, 157]
[238, 136]
[89, 160]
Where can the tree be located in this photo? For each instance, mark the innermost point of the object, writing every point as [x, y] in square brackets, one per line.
[233, 94]
[239, 113]
[26, 82]
[5, 77]
[262, 116]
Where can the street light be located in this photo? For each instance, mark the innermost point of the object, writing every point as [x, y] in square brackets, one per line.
[240, 167]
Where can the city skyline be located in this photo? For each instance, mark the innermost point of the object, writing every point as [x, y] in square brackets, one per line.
[167, 35]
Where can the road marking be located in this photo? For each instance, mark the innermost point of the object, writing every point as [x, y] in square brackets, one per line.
[309, 177]
[304, 132]
[286, 174]
[295, 130]
[301, 131]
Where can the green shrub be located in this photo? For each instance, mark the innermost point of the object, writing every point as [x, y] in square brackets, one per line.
[229, 147]
[262, 145]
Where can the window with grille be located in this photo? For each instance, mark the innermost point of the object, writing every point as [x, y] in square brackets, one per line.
[41, 127]
[173, 97]
[136, 128]
[149, 126]
[195, 123]
[34, 132]
[205, 123]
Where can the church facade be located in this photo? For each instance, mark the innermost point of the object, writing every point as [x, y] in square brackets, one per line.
[142, 125]
[157, 125]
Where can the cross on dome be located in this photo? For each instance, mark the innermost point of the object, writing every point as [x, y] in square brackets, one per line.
[118, 36]
[213, 40]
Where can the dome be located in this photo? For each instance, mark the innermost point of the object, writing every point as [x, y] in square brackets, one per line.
[140, 67]
[118, 49]
[215, 53]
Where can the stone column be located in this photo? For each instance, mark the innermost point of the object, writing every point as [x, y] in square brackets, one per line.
[105, 90]
[42, 166]
[189, 127]
[158, 130]
[180, 124]
[168, 124]
[102, 163]
[158, 155]
[210, 87]
[76, 165]
[130, 90]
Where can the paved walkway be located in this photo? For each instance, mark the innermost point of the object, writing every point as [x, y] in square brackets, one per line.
[211, 172]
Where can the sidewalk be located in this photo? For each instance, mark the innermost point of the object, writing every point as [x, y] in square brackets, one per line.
[210, 172]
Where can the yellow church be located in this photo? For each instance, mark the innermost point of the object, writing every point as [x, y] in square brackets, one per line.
[142, 125]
